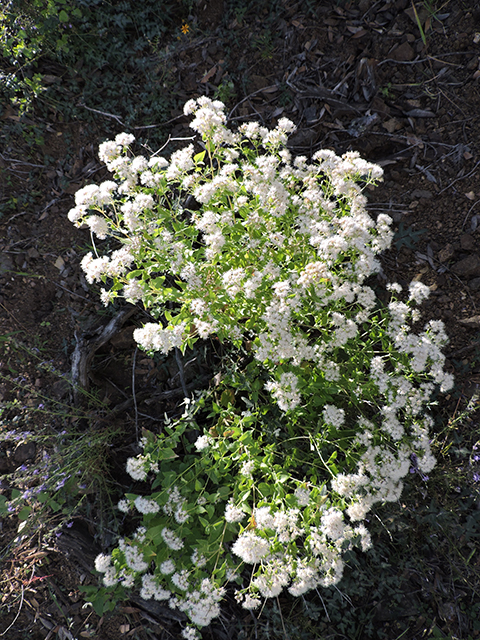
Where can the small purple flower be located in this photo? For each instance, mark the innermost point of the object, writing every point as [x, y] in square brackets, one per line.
[476, 458]
[69, 524]
[41, 406]
[10, 508]
[23, 468]
[476, 477]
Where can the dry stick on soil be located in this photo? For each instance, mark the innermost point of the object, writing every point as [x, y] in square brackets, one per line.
[102, 113]
[407, 62]
[134, 397]
[468, 213]
[18, 613]
[272, 86]
[171, 394]
[181, 371]
[29, 164]
[461, 178]
[86, 348]
[12, 316]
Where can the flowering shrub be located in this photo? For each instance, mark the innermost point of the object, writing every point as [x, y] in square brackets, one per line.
[328, 414]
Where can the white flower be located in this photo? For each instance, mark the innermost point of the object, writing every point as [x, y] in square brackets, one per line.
[124, 506]
[180, 579]
[285, 391]
[332, 523]
[167, 567]
[133, 291]
[395, 287]
[110, 579]
[264, 518]
[102, 563]
[124, 139]
[108, 151]
[302, 495]
[250, 547]
[189, 633]
[171, 540]
[203, 442]
[144, 505]
[136, 468]
[232, 513]
[134, 559]
[153, 337]
[247, 468]
[333, 415]
[252, 601]
[418, 292]
[150, 589]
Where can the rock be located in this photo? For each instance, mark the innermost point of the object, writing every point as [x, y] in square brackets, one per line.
[422, 193]
[124, 338]
[403, 53]
[469, 266]
[60, 389]
[474, 284]
[467, 242]
[471, 323]
[5, 466]
[446, 254]
[24, 452]
[6, 263]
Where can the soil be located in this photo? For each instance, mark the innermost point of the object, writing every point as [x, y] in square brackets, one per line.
[359, 76]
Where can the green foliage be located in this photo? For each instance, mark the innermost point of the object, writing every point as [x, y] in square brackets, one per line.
[407, 237]
[67, 465]
[225, 91]
[106, 47]
[101, 599]
[324, 413]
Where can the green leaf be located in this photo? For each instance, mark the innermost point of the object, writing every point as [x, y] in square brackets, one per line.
[3, 505]
[63, 16]
[265, 489]
[98, 604]
[166, 454]
[24, 513]
[55, 506]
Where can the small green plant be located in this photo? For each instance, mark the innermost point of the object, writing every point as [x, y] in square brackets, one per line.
[264, 43]
[325, 413]
[386, 91]
[92, 40]
[225, 91]
[407, 236]
[64, 465]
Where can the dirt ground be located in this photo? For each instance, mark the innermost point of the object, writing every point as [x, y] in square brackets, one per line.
[359, 76]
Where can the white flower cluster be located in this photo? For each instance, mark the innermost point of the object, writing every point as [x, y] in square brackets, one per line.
[136, 468]
[176, 505]
[285, 391]
[153, 337]
[275, 254]
[144, 505]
